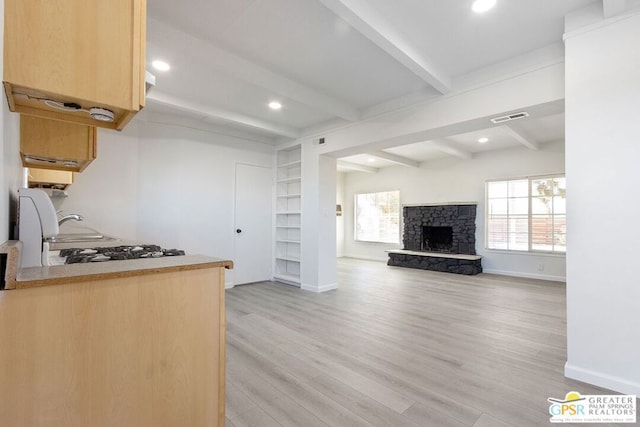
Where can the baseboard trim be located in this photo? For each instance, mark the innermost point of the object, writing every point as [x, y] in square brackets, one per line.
[599, 379]
[366, 258]
[526, 275]
[318, 289]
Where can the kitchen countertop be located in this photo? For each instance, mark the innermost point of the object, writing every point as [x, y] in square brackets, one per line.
[21, 278]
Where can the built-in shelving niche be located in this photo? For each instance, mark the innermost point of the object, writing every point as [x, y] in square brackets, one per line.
[288, 215]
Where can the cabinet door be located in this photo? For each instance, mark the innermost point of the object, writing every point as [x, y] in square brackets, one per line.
[52, 144]
[87, 52]
[45, 178]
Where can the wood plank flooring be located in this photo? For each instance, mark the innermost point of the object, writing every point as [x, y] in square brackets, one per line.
[397, 347]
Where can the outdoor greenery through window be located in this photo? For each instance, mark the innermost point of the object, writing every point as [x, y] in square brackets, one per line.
[378, 217]
[527, 214]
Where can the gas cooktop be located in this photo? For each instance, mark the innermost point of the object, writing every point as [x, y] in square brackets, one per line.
[116, 253]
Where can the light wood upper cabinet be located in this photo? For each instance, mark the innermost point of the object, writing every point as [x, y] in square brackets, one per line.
[54, 144]
[90, 53]
[45, 178]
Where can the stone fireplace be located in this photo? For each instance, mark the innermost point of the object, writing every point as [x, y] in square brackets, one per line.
[424, 223]
[439, 237]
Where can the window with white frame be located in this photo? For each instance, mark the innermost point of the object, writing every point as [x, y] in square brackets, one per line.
[527, 214]
[377, 217]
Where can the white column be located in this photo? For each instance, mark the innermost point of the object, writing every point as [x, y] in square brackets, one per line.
[318, 272]
[603, 182]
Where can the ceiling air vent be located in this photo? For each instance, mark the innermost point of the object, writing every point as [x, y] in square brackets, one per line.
[514, 116]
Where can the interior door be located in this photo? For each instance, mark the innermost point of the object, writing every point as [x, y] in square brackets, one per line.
[253, 224]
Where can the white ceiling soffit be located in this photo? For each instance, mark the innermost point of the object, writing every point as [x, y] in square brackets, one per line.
[344, 166]
[203, 111]
[613, 7]
[170, 116]
[395, 158]
[449, 148]
[522, 139]
[372, 25]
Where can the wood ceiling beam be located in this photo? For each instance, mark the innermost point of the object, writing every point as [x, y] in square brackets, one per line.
[447, 147]
[205, 111]
[354, 167]
[373, 26]
[216, 58]
[395, 158]
[527, 142]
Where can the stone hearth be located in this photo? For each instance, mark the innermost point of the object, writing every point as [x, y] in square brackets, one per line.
[447, 263]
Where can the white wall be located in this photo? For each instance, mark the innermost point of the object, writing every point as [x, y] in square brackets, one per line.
[340, 178]
[166, 184]
[106, 192]
[457, 180]
[186, 188]
[602, 145]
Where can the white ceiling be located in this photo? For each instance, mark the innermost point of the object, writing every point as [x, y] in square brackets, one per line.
[332, 62]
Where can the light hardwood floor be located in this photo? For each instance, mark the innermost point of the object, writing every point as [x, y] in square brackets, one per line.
[397, 347]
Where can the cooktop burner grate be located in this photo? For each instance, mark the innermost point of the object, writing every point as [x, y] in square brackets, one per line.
[116, 253]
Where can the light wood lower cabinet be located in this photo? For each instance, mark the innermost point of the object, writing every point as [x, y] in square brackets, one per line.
[144, 351]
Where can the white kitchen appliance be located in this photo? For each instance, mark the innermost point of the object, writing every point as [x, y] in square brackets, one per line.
[37, 221]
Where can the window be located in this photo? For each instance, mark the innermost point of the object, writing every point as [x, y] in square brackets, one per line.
[527, 214]
[378, 217]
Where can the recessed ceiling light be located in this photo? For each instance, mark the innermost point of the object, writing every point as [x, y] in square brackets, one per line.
[160, 65]
[275, 105]
[371, 159]
[480, 6]
[483, 140]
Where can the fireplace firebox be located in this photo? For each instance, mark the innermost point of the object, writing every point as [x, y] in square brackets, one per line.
[437, 239]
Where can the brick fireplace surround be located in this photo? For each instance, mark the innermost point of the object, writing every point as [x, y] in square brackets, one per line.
[456, 253]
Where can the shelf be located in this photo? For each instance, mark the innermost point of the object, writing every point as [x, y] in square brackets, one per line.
[288, 213]
[291, 164]
[289, 180]
[288, 258]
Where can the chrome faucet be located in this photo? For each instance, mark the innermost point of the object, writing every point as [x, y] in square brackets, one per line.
[66, 218]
